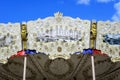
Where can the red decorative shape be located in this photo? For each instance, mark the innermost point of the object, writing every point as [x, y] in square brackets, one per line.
[19, 53]
[95, 51]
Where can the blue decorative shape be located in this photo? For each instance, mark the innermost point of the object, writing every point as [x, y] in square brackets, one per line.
[112, 39]
[87, 51]
[30, 51]
[77, 52]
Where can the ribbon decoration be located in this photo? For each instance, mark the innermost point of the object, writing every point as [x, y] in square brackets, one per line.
[24, 52]
[19, 53]
[93, 51]
[30, 51]
[87, 51]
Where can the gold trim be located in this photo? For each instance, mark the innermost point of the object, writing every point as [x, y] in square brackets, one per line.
[24, 36]
[93, 33]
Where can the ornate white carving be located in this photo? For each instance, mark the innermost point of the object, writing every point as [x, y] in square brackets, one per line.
[58, 16]
[104, 28]
[10, 40]
[46, 35]
[58, 36]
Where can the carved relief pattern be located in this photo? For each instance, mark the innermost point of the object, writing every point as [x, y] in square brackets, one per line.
[105, 28]
[46, 35]
[60, 69]
[10, 40]
[52, 67]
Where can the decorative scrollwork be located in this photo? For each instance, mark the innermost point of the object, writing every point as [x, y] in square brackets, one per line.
[16, 72]
[115, 59]
[5, 40]
[59, 67]
[112, 39]
[108, 38]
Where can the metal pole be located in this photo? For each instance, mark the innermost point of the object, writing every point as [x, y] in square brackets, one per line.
[93, 67]
[24, 70]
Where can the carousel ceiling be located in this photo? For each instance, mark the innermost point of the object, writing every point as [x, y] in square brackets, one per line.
[78, 67]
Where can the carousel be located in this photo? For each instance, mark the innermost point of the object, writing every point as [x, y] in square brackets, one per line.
[60, 48]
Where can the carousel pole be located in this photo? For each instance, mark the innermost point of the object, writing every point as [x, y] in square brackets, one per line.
[93, 34]
[24, 47]
[93, 67]
[24, 70]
